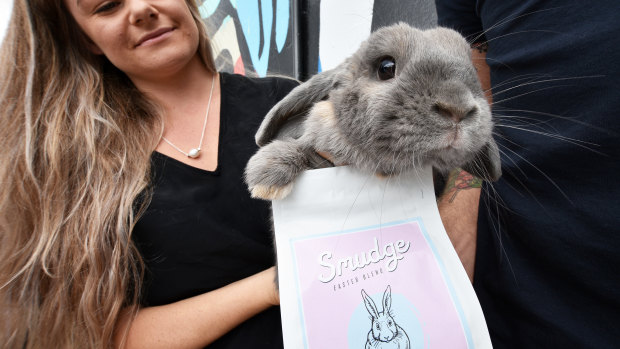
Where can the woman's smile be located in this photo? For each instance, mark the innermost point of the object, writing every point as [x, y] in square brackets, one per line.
[155, 37]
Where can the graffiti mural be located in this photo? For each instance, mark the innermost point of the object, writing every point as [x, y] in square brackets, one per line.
[299, 38]
[252, 36]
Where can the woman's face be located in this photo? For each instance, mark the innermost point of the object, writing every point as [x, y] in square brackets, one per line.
[146, 39]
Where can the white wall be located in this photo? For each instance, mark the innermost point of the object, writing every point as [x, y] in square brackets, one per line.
[5, 13]
[344, 25]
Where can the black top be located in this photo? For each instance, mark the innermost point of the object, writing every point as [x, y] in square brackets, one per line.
[202, 230]
[549, 231]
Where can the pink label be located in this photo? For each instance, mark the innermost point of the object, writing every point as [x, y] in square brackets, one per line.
[396, 268]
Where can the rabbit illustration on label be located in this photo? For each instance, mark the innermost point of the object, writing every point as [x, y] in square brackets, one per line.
[407, 98]
[385, 333]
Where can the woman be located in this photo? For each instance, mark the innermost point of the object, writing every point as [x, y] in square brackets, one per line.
[123, 217]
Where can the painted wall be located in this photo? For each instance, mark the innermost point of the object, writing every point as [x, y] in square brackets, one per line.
[252, 36]
[300, 37]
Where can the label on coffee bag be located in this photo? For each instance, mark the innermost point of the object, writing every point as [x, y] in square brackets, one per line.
[333, 268]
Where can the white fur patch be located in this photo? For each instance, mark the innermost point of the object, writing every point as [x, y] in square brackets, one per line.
[271, 192]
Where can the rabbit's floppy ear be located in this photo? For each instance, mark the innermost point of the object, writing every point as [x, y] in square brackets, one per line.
[370, 305]
[297, 102]
[387, 299]
[486, 164]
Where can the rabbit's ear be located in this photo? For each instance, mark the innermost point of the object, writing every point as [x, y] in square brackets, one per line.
[387, 299]
[296, 103]
[370, 305]
[486, 164]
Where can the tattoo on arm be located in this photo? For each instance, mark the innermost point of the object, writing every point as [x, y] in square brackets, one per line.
[480, 46]
[460, 180]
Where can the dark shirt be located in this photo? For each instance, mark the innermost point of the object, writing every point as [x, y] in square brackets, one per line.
[202, 230]
[549, 239]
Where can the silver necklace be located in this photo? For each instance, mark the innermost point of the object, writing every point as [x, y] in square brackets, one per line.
[195, 153]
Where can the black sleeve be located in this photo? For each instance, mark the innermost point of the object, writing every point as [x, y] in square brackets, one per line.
[281, 86]
[462, 16]
[284, 86]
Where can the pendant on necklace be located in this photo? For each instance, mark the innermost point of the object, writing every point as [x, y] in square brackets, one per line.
[194, 153]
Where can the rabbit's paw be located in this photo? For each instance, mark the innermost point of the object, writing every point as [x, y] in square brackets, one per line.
[270, 173]
[270, 192]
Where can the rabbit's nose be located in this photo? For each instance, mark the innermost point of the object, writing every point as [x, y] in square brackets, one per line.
[455, 113]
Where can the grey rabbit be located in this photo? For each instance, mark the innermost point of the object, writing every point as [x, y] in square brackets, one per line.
[385, 333]
[406, 98]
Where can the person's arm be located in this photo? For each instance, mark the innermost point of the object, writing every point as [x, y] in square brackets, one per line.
[458, 205]
[479, 58]
[198, 321]
[458, 208]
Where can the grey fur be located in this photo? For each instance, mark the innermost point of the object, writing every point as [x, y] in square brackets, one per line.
[381, 126]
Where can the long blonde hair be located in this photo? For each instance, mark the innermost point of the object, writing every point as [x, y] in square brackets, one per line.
[75, 143]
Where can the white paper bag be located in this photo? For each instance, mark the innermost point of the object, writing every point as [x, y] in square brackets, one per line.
[365, 262]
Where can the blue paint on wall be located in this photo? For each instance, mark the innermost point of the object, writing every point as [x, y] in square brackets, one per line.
[282, 21]
[249, 18]
[208, 7]
[252, 23]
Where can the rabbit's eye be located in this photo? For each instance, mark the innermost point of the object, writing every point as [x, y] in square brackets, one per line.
[387, 68]
[378, 327]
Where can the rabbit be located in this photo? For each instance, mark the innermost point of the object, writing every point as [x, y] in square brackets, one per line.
[385, 333]
[406, 98]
